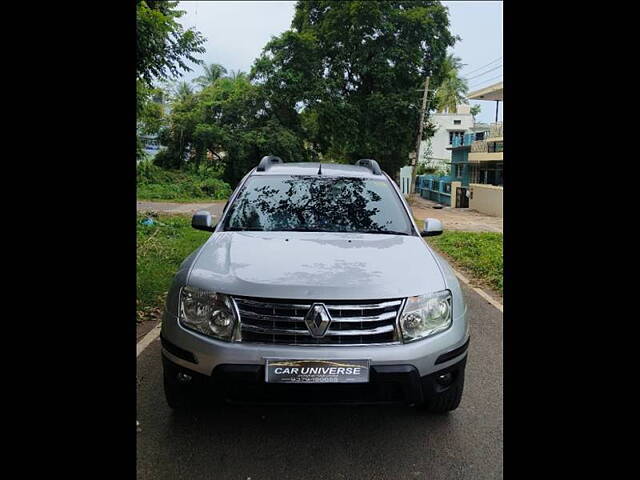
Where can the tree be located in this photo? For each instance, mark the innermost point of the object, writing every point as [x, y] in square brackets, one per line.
[182, 91]
[353, 68]
[451, 89]
[475, 110]
[230, 121]
[163, 50]
[236, 74]
[163, 46]
[212, 72]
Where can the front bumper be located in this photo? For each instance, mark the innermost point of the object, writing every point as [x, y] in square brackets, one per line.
[203, 354]
[237, 383]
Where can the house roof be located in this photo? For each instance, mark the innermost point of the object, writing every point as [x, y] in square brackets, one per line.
[492, 92]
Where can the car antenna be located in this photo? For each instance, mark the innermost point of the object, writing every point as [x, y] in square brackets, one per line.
[320, 169]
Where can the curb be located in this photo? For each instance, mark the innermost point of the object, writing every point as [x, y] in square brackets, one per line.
[152, 335]
[479, 291]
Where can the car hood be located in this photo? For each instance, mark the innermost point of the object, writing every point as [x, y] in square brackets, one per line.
[316, 266]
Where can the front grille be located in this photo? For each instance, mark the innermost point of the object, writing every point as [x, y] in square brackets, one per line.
[267, 320]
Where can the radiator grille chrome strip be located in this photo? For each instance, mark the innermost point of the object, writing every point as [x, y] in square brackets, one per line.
[278, 318]
[358, 322]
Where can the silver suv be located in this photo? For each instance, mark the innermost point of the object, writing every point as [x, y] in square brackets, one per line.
[315, 286]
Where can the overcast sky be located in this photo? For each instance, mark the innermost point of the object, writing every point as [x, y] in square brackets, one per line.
[236, 32]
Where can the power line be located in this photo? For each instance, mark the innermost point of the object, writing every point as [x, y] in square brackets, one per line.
[480, 68]
[484, 73]
[478, 84]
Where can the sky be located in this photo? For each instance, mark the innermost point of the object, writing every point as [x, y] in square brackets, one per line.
[236, 32]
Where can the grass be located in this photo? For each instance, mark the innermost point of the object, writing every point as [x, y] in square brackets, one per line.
[161, 248]
[480, 254]
[155, 183]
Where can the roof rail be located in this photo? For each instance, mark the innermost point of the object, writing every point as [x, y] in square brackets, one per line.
[370, 164]
[267, 161]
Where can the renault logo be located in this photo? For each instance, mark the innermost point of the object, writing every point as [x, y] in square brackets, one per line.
[317, 320]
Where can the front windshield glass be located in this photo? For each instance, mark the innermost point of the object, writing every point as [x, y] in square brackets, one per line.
[318, 204]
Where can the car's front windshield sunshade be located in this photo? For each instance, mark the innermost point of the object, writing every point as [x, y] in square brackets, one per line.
[318, 204]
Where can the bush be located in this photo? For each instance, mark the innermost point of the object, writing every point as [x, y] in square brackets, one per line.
[423, 169]
[155, 183]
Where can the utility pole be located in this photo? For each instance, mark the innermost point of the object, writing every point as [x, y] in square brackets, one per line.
[420, 126]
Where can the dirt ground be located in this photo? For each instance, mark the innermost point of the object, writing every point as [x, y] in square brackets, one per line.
[181, 208]
[463, 219]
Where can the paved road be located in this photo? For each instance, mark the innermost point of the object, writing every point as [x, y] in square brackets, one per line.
[181, 208]
[331, 442]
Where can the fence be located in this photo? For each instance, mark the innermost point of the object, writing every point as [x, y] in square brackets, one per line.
[435, 188]
[486, 199]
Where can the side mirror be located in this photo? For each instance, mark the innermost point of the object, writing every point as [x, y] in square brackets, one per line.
[432, 227]
[202, 220]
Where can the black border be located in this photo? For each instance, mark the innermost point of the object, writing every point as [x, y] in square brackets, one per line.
[76, 271]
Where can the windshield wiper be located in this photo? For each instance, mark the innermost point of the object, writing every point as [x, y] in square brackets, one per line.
[244, 229]
[383, 232]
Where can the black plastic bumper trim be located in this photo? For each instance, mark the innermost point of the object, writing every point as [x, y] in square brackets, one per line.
[453, 353]
[177, 351]
[239, 383]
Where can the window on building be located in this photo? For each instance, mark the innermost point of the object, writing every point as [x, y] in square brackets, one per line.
[475, 174]
[494, 147]
[479, 136]
[457, 122]
[489, 173]
[458, 171]
[455, 133]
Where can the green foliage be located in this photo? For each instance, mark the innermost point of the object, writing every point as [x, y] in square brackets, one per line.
[479, 253]
[183, 91]
[161, 248]
[203, 183]
[163, 50]
[341, 84]
[231, 121]
[451, 89]
[163, 46]
[423, 169]
[151, 118]
[236, 74]
[212, 73]
[354, 68]
[475, 110]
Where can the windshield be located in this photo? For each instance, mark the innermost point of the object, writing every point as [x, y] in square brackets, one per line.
[318, 204]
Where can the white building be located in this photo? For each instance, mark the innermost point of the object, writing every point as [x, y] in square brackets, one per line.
[433, 151]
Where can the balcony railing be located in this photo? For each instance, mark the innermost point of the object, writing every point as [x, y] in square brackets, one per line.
[463, 141]
[482, 146]
[495, 130]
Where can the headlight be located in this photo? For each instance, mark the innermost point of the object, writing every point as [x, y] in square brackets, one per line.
[426, 315]
[207, 312]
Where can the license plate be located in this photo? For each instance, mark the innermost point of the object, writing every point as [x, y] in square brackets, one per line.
[317, 371]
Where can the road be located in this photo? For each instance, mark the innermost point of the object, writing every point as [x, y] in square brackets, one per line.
[364, 442]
